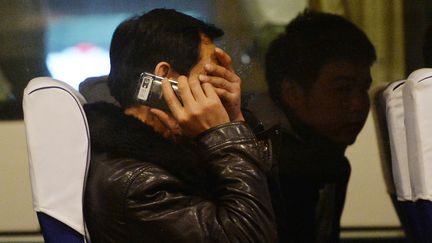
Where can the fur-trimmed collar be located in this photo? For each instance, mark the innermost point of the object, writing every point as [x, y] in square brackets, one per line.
[124, 136]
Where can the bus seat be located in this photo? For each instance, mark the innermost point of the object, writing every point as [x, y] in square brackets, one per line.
[59, 152]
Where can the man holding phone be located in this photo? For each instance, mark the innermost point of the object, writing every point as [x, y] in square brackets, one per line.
[195, 173]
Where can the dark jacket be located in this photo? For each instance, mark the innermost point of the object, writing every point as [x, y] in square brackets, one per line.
[143, 188]
[313, 178]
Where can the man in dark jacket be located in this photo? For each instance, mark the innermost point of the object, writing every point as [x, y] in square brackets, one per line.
[193, 173]
[318, 73]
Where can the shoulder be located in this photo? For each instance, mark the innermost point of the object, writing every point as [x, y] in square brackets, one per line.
[114, 178]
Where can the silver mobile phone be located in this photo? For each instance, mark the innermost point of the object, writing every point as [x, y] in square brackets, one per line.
[149, 91]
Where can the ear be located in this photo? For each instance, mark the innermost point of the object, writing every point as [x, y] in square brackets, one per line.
[292, 94]
[162, 69]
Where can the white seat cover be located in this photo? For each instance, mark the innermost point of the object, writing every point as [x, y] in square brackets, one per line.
[418, 122]
[58, 144]
[394, 109]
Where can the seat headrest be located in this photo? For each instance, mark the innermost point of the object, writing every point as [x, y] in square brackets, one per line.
[394, 111]
[417, 95]
[59, 149]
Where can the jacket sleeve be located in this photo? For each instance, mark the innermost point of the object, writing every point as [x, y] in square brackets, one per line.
[239, 211]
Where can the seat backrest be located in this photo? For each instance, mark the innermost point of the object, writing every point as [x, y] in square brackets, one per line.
[394, 112]
[59, 149]
[417, 96]
[380, 122]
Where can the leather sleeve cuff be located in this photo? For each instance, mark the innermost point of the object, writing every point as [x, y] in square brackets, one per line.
[227, 133]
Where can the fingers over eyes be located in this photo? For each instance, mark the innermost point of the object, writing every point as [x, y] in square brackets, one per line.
[217, 82]
[219, 71]
[223, 58]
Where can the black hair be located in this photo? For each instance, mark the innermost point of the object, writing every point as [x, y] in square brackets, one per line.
[139, 43]
[427, 47]
[310, 41]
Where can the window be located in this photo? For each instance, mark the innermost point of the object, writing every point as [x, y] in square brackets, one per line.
[69, 40]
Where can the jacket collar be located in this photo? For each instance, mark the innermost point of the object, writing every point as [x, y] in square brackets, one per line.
[123, 136]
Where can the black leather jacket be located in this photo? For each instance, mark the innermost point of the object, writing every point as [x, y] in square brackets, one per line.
[143, 188]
